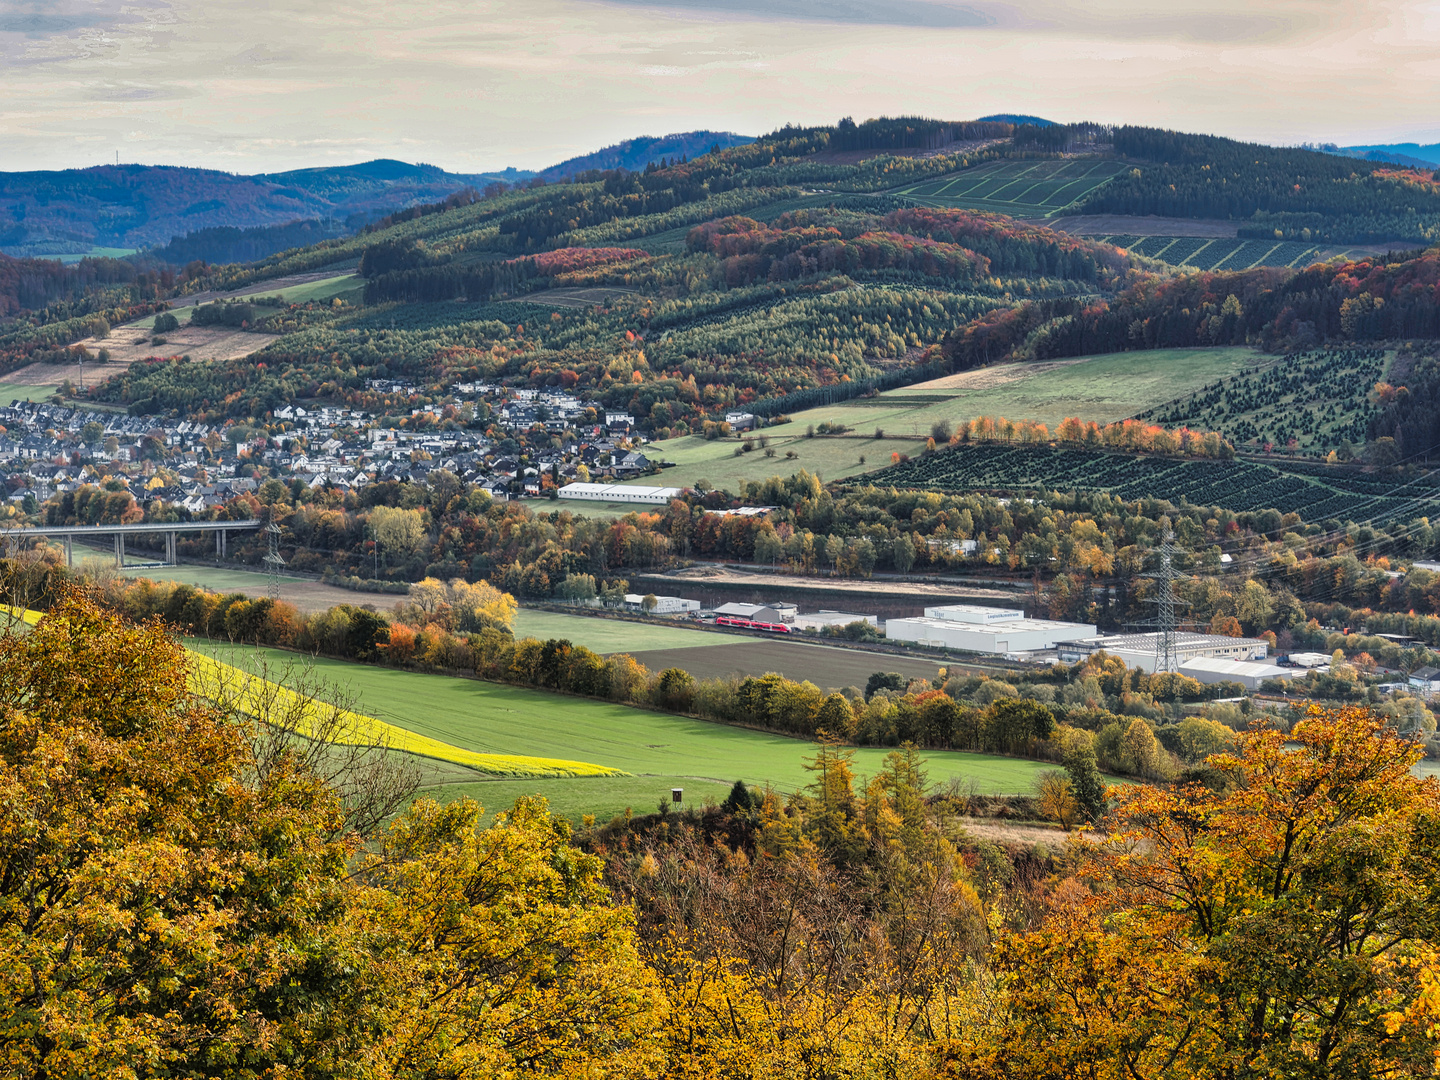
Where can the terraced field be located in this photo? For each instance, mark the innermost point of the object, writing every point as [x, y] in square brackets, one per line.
[1223, 253]
[1018, 188]
[1316, 493]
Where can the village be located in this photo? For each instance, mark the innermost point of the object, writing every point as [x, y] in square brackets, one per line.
[182, 469]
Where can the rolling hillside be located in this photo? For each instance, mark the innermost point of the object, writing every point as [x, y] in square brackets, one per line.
[134, 206]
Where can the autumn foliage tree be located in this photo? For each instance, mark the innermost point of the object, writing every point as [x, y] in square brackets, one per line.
[161, 908]
[173, 903]
[1266, 929]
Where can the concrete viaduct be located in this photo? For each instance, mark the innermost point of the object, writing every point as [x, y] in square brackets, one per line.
[70, 533]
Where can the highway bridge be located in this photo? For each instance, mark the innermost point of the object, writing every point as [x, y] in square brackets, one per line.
[12, 538]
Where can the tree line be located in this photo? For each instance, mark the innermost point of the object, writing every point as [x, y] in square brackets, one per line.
[1378, 298]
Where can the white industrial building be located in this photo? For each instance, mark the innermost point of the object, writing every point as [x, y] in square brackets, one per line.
[660, 496]
[771, 613]
[1248, 673]
[1142, 650]
[664, 605]
[820, 620]
[971, 628]
[1426, 680]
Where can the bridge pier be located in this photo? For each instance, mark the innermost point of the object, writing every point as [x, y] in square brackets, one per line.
[220, 543]
[119, 551]
[170, 552]
[69, 552]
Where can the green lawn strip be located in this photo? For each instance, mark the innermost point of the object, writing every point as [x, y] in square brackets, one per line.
[603, 797]
[12, 391]
[617, 635]
[491, 718]
[324, 289]
[208, 577]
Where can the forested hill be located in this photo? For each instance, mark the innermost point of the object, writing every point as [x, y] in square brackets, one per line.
[133, 206]
[795, 269]
[635, 154]
[1274, 191]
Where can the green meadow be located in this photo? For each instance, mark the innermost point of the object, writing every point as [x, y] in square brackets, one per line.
[1100, 388]
[661, 751]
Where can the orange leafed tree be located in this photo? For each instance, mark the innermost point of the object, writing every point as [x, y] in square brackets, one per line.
[1266, 929]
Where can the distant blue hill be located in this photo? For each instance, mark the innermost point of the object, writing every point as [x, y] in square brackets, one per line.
[1018, 119]
[137, 206]
[1412, 154]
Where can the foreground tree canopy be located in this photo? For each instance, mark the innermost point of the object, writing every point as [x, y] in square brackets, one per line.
[175, 902]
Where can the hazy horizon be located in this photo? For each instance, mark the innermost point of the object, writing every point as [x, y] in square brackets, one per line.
[490, 84]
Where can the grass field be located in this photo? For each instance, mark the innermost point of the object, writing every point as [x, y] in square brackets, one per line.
[619, 635]
[661, 751]
[618, 506]
[716, 461]
[17, 391]
[94, 253]
[208, 577]
[349, 287]
[827, 666]
[1018, 188]
[346, 286]
[1100, 388]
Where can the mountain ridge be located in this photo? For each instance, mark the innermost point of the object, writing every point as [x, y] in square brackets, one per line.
[634, 154]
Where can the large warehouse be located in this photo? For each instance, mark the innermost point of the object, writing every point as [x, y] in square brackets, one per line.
[996, 631]
[1142, 650]
[660, 496]
[1248, 673]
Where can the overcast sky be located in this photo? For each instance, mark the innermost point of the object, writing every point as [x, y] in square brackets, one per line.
[263, 85]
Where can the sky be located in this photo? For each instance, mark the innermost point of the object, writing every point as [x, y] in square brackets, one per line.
[473, 85]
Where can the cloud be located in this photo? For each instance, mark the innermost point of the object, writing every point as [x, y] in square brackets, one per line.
[51, 18]
[921, 14]
[480, 84]
[51, 31]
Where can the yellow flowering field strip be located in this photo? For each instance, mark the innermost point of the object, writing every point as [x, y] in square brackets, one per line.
[215, 679]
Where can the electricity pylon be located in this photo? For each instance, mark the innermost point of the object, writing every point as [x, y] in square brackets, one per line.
[273, 561]
[1165, 621]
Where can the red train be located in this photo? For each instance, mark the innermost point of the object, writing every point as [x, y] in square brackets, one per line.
[750, 624]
